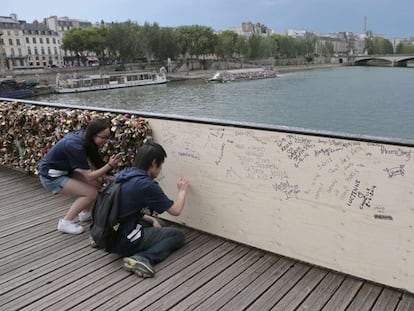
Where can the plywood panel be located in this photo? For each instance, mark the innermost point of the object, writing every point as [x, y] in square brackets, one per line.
[339, 203]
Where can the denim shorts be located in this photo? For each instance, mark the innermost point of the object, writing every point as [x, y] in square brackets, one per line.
[54, 184]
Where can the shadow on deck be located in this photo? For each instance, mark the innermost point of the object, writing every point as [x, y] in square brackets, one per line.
[42, 269]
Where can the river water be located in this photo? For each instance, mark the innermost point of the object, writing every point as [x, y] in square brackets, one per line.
[372, 101]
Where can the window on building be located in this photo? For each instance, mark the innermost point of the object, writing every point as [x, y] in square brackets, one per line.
[34, 39]
[48, 50]
[35, 51]
[47, 41]
[27, 40]
[10, 41]
[29, 50]
[20, 51]
[17, 41]
[56, 51]
[12, 51]
[42, 50]
[41, 40]
[54, 41]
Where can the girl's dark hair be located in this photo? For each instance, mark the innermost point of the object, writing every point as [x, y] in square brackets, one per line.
[147, 153]
[92, 150]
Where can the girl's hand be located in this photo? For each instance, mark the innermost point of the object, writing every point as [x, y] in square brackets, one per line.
[114, 160]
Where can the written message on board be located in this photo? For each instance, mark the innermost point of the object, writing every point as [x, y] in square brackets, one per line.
[343, 204]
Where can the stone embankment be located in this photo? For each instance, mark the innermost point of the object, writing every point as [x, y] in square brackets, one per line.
[205, 74]
[47, 77]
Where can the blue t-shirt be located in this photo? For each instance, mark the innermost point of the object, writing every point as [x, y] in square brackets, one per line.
[138, 192]
[67, 155]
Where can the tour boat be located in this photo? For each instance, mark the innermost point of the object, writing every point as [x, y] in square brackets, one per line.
[108, 81]
[243, 74]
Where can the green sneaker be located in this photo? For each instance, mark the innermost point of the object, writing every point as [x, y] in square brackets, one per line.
[139, 265]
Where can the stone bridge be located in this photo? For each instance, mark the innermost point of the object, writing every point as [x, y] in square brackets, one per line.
[394, 60]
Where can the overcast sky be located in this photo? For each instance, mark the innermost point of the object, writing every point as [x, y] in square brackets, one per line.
[392, 18]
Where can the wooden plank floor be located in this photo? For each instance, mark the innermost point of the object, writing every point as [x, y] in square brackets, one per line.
[42, 269]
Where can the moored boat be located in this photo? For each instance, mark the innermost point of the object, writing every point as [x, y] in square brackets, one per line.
[10, 88]
[108, 81]
[243, 74]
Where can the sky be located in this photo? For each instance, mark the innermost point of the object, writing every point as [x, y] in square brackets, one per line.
[391, 18]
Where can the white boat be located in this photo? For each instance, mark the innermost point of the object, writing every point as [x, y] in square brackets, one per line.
[108, 81]
[243, 74]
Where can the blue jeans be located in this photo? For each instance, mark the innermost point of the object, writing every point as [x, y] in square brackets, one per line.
[158, 243]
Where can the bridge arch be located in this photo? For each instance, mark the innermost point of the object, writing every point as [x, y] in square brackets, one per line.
[395, 60]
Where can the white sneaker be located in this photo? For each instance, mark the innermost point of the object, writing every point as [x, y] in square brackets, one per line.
[68, 226]
[84, 216]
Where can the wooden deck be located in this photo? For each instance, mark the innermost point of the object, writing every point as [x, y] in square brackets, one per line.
[42, 269]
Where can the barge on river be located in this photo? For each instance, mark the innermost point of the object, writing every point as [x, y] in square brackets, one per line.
[108, 81]
[243, 74]
[10, 88]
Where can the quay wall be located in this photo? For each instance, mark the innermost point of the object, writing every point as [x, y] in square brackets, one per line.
[336, 201]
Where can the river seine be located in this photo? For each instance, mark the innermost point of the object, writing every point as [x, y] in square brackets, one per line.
[373, 101]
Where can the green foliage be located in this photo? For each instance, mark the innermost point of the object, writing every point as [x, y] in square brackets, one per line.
[377, 45]
[226, 45]
[405, 48]
[128, 41]
[168, 46]
[123, 41]
[196, 40]
[327, 49]
[75, 40]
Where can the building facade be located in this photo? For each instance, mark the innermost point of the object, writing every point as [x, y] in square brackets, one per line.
[34, 45]
[28, 44]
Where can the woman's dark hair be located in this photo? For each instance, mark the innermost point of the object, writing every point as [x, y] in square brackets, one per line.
[147, 153]
[92, 150]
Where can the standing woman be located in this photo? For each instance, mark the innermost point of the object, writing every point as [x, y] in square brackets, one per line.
[74, 166]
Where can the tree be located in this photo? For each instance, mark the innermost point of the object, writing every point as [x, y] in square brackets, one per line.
[377, 45]
[405, 48]
[369, 43]
[254, 43]
[95, 40]
[168, 47]
[226, 45]
[75, 41]
[150, 35]
[196, 40]
[273, 42]
[123, 41]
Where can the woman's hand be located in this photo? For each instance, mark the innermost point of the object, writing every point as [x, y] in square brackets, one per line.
[114, 160]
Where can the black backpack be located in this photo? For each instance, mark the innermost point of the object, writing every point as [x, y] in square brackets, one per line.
[105, 221]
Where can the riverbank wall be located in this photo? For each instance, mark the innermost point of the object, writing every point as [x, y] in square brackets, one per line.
[47, 77]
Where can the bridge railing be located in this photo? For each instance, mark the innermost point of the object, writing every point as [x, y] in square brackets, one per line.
[337, 201]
